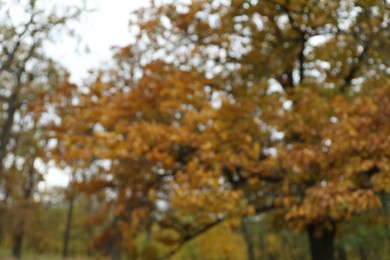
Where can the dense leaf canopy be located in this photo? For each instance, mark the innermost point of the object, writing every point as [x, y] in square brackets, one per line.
[231, 108]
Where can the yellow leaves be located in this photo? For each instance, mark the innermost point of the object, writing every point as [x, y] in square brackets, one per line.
[107, 120]
[158, 156]
[381, 182]
[254, 182]
[207, 146]
[286, 202]
[256, 149]
[207, 198]
[193, 165]
[308, 156]
[137, 215]
[107, 138]
[168, 237]
[234, 223]
[349, 164]
[149, 253]
[366, 165]
[273, 243]
[180, 136]
[235, 196]
[222, 241]
[333, 201]
[213, 183]
[152, 194]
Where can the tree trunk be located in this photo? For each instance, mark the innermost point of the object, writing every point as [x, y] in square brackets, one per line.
[342, 253]
[28, 189]
[89, 229]
[114, 250]
[13, 105]
[68, 227]
[321, 242]
[3, 207]
[6, 131]
[362, 254]
[18, 241]
[115, 253]
[248, 239]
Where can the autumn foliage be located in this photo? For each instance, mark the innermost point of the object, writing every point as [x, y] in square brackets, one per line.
[231, 110]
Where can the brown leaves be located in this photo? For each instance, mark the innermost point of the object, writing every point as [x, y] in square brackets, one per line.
[334, 201]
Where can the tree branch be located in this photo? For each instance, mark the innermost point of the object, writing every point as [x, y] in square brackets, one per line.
[355, 67]
[258, 210]
[11, 55]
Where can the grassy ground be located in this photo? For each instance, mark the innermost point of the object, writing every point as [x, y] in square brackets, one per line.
[5, 254]
[42, 257]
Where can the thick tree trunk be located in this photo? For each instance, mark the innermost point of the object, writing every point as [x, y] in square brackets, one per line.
[68, 227]
[248, 239]
[321, 243]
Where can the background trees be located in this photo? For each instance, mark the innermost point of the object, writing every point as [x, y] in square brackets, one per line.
[27, 78]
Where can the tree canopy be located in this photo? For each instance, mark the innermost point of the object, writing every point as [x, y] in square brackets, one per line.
[224, 109]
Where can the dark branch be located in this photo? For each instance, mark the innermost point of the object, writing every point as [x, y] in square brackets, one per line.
[188, 238]
[11, 55]
[355, 67]
[301, 57]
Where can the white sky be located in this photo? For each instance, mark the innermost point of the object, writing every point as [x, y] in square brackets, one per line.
[100, 30]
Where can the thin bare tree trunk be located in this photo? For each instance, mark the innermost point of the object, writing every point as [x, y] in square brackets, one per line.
[3, 207]
[69, 220]
[248, 239]
[28, 189]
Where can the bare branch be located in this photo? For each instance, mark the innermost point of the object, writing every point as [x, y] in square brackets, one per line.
[11, 55]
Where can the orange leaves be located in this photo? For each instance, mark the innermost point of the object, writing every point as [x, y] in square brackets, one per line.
[211, 201]
[137, 216]
[287, 202]
[381, 182]
[214, 123]
[161, 127]
[93, 186]
[335, 201]
[334, 156]
[168, 237]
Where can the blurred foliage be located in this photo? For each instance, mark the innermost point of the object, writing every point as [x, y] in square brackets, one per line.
[223, 110]
[224, 130]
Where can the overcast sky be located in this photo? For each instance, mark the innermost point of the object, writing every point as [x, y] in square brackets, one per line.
[100, 30]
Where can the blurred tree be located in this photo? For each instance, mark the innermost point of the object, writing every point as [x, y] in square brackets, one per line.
[47, 224]
[27, 76]
[228, 109]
